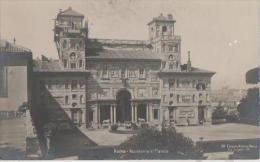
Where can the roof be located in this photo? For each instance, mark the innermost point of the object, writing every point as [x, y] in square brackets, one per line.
[119, 54]
[194, 70]
[51, 66]
[167, 18]
[70, 12]
[6, 46]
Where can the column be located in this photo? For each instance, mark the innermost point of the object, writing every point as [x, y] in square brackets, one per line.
[147, 112]
[114, 113]
[111, 114]
[132, 111]
[136, 117]
[98, 115]
[151, 112]
[95, 119]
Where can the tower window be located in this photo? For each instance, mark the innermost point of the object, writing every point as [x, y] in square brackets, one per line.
[65, 62]
[73, 56]
[80, 63]
[164, 29]
[171, 66]
[170, 48]
[72, 65]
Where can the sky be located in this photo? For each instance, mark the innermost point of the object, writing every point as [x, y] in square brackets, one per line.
[222, 35]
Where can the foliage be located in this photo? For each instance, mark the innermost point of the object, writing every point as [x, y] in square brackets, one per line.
[22, 108]
[167, 139]
[233, 116]
[134, 126]
[219, 113]
[114, 127]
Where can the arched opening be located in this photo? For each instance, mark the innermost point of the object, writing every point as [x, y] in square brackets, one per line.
[123, 110]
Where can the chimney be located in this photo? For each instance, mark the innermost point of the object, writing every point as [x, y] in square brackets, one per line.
[189, 62]
[170, 16]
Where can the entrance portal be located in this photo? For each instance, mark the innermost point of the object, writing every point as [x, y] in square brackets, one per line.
[104, 113]
[141, 112]
[123, 110]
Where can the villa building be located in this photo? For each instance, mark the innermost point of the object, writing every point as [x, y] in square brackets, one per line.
[97, 80]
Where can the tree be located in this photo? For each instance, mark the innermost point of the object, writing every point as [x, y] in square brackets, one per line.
[23, 107]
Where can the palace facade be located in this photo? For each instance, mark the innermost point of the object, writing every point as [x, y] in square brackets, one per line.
[98, 80]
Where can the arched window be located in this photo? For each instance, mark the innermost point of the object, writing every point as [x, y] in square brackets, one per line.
[170, 57]
[73, 56]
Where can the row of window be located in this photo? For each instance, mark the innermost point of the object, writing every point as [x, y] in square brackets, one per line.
[55, 84]
[170, 48]
[184, 98]
[141, 92]
[171, 83]
[123, 73]
[73, 65]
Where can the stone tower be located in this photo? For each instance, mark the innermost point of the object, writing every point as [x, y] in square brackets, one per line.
[165, 42]
[70, 35]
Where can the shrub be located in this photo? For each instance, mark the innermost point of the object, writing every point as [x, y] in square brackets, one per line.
[114, 127]
[134, 126]
[233, 116]
[144, 125]
[219, 113]
[167, 139]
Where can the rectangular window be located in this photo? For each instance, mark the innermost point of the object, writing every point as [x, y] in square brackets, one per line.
[164, 98]
[114, 73]
[156, 114]
[3, 81]
[170, 48]
[123, 72]
[74, 85]
[141, 92]
[74, 96]
[49, 85]
[132, 74]
[66, 84]
[171, 83]
[105, 73]
[186, 98]
[155, 91]
[178, 83]
[165, 83]
[82, 85]
[66, 100]
[82, 101]
[74, 116]
[105, 92]
[164, 29]
[142, 73]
